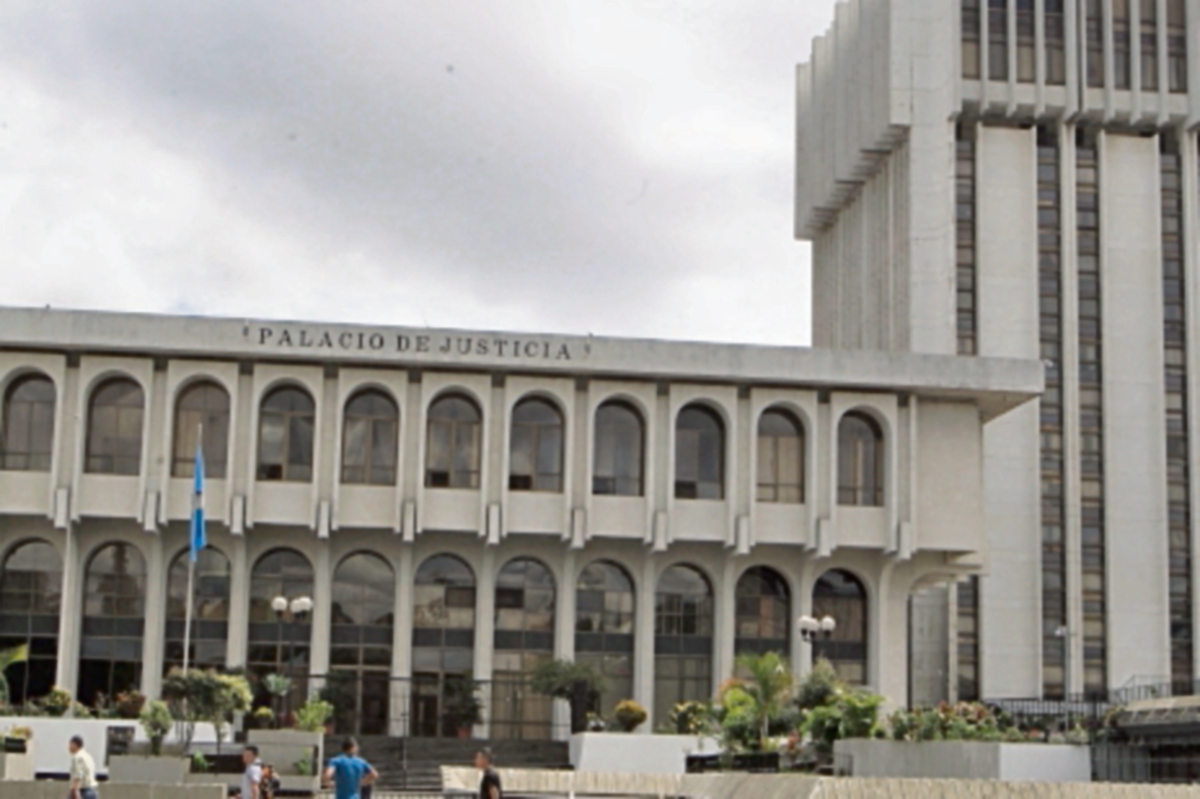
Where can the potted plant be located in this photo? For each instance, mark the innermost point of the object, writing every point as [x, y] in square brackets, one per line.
[462, 709]
[277, 687]
[156, 720]
[629, 714]
[57, 702]
[313, 716]
[578, 683]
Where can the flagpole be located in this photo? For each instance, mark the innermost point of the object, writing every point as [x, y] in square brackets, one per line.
[187, 614]
[193, 554]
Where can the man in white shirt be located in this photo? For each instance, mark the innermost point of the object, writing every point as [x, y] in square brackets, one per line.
[83, 771]
[252, 776]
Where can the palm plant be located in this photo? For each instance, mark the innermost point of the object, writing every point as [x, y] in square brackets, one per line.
[10, 657]
[769, 683]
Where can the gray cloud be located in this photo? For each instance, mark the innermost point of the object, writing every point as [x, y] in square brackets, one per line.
[621, 168]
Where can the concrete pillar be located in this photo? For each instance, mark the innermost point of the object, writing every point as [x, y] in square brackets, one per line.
[724, 623]
[322, 614]
[67, 675]
[154, 630]
[239, 604]
[564, 635]
[485, 623]
[643, 641]
[402, 643]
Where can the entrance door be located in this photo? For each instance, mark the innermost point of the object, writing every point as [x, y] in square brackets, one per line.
[426, 699]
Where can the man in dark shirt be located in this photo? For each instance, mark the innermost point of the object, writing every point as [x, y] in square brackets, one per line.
[489, 786]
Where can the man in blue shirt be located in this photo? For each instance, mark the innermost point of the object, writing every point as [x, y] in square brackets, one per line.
[349, 773]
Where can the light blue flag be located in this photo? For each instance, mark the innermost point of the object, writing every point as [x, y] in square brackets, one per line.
[199, 539]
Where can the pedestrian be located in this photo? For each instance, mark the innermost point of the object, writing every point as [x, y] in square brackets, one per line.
[83, 771]
[349, 773]
[252, 777]
[270, 782]
[489, 785]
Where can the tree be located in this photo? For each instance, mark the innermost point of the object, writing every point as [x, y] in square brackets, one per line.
[156, 721]
[578, 683]
[10, 657]
[205, 695]
[769, 684]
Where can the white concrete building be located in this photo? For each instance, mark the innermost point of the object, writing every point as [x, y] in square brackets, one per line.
[1018, 178]
[466, 505]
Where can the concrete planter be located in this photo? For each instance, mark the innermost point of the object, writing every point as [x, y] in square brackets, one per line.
[148, 769]
[50, 736]
[633, 753]
[17, 766]
[974, 760]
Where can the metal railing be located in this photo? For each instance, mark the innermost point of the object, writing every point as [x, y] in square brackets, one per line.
[376, 703]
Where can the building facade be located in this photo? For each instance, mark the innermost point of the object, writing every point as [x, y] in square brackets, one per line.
[1018, 178]
[463, 506]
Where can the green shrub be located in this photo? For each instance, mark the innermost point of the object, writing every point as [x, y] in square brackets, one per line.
[311, 717]
[629, 714]
[156, 720]
[820, 686]
[691, 718]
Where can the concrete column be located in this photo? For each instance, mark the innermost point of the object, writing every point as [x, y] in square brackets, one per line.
[67, 675]
[1135, 502]
[402, 643]
[1069, 364]
[643, 642]
[1191, 218]
[564, 635]
[239, 603]
[322, 614]
[485, 623]
[887, 637]
[154, 632]
[724, 623]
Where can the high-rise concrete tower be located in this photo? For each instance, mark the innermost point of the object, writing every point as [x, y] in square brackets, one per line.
[1019, 178]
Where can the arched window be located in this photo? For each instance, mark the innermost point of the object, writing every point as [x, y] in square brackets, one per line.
[210, 610]
[860, 461]
[114, 614]
[699, 454]
[604, 629]
[452, 453]
[285, 435]
[202, 409]
[536, 448]
[840, 594]
[780, 457]
[28, 439]
[360, 658]
[370, 436]
[443, 642]
[114, 441]
[620, 437]
[524, 639]
[683, 639]
[763, 613]
[30, 603]
[279, 644]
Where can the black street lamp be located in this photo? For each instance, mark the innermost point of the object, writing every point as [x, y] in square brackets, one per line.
[299, 608]
[814, 631]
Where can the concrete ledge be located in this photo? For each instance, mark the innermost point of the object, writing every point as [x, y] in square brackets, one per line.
[972, 760]
[626, 753]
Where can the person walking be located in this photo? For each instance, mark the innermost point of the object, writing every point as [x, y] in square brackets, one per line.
[270, 783]
[489, 784]
[349, 773]
[83, 770]
[252, 777]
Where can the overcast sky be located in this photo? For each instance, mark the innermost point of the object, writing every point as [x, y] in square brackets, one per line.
[606, 167]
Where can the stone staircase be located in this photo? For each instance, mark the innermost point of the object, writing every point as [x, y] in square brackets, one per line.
[414, 764]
